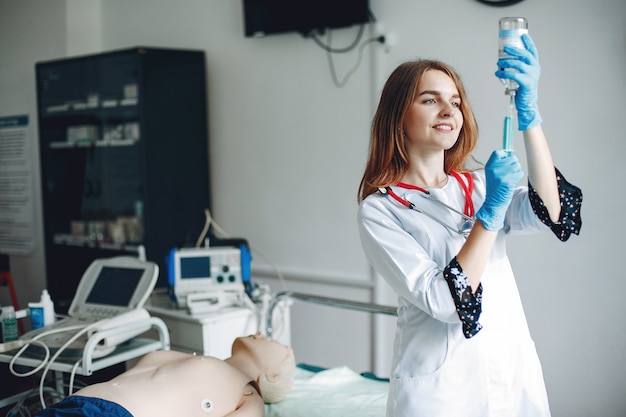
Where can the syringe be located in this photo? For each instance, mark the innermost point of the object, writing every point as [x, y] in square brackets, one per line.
[507, 133]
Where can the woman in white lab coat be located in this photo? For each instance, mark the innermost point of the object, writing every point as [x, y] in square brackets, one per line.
[435, 229]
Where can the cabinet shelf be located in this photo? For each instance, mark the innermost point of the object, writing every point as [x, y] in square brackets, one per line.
[85, 241]
[97, 144]
[69, 109]
[123, 136]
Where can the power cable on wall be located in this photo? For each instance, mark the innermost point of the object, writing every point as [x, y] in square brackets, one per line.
[330, 51]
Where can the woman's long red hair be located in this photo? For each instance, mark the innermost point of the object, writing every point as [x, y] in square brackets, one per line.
[388, 157]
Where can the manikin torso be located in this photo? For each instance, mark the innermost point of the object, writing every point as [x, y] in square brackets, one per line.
[168, 383]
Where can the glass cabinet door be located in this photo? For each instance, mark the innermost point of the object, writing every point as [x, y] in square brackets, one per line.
[92, 156]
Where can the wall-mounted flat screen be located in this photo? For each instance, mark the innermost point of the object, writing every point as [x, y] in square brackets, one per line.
[267, 17]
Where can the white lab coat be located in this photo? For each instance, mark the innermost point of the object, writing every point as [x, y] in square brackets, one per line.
[436, 371]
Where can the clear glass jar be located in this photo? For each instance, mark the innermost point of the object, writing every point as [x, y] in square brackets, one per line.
[510, 33]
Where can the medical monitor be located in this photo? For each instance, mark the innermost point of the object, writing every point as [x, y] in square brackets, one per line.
[112, 286]
[267, 17]
[204, 269]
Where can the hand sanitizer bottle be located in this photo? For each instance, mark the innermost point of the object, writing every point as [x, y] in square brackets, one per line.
[42, 312]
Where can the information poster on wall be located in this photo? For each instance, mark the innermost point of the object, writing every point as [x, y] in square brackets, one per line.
[16, 187]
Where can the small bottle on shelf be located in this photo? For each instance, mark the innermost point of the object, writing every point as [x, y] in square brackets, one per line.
[9, 324]
[42, 312]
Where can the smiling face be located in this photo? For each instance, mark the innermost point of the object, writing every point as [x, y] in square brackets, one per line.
[434, 120]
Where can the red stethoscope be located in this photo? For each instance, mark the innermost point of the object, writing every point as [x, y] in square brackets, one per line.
[468, 211]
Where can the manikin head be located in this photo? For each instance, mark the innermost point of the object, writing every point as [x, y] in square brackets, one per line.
[274, 363]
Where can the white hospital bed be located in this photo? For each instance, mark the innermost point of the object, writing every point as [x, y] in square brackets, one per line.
[333, 392]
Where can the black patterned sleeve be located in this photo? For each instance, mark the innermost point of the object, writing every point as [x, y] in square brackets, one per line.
[468, 304]
[571, 202]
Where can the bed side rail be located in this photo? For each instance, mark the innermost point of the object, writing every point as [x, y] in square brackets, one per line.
[328, 301]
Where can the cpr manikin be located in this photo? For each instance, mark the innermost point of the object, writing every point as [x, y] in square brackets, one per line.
[168, 383]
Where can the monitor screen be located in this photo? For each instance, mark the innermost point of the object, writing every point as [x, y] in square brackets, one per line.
[195, 267]
[266, 17]
[115, 286]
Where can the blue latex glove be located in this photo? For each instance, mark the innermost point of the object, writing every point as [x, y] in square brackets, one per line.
[526, 62]
[502, 173]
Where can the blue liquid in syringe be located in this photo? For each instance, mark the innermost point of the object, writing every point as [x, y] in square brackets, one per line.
[507, 133]
[507, 140]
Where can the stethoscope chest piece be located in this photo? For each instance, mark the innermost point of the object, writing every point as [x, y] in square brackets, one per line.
[466, 227]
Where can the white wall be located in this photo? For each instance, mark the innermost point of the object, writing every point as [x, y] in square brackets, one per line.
[25, 37]
[288, 147]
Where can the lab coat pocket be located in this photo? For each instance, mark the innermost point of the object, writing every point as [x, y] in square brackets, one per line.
[444, 391]
[425, 353]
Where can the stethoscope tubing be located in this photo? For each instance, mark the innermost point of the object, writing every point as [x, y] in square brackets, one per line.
[428, 196]
[469, 221]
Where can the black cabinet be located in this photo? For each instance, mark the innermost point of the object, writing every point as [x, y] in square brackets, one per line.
[124, 158]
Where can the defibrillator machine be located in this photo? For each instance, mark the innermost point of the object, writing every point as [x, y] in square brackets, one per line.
[209, 278]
